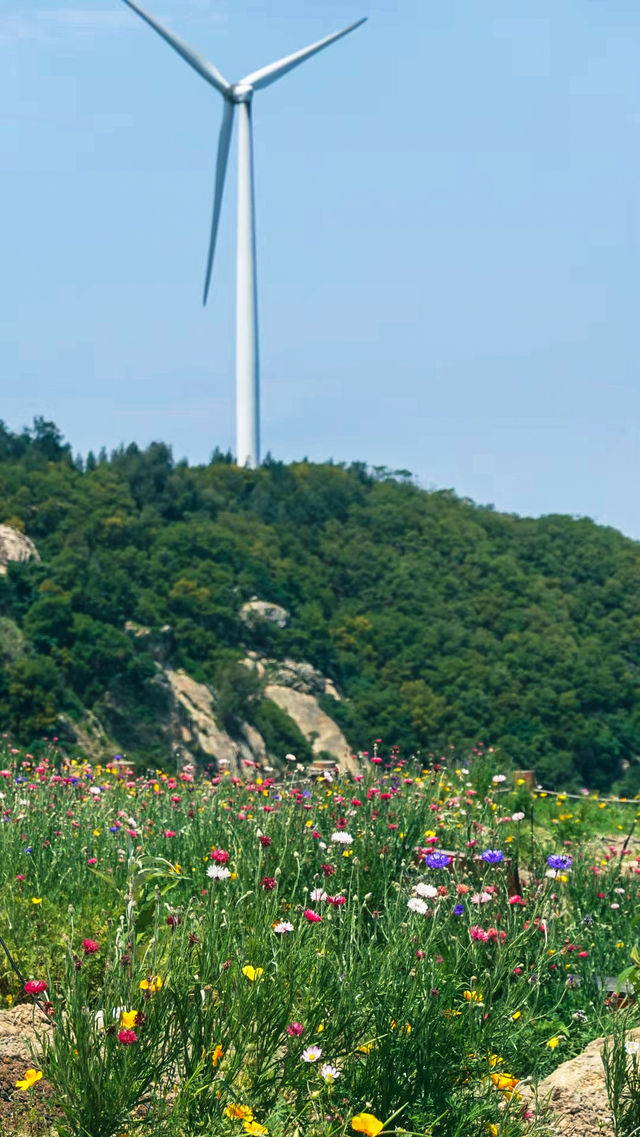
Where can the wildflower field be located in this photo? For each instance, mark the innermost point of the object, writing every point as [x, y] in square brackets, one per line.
[406, 950]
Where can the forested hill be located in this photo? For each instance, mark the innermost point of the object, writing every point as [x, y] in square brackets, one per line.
[442, 622]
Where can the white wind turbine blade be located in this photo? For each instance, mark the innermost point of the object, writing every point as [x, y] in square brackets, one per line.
[198, 62]
[267, 75]
[224, 142]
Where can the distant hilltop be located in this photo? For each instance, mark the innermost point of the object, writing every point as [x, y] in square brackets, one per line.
[437, 622]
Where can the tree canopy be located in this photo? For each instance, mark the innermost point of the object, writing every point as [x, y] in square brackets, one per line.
[442, 622]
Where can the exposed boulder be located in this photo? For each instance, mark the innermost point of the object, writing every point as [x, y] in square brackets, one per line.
[255, 610]
[200, 730]
[14, 546]
[576, 1094]
[320, 731]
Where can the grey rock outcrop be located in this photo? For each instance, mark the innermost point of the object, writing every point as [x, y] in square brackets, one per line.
[255, 610]
[14, 546]
[316, 726]
[200, 730]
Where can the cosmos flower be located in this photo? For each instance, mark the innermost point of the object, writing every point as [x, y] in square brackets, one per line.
[329, 1072]
[311, 1054]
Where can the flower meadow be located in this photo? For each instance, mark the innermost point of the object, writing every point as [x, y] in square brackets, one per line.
[405, 950]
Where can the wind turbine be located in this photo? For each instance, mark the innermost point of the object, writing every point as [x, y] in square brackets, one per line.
[238, 96]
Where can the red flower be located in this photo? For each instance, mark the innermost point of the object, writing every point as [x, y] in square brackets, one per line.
[311, 916]
[268, 883]
[265, 841]
[35, 986]
[337, 900]
[126, 1037]
[328, 870]
[90, 947]
[294, 1029]
[220, 856]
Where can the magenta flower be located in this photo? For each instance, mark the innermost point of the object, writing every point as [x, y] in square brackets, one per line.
[35, 986]
[126, 1037]
[311, 916]
[294, 1029]
[90, 947]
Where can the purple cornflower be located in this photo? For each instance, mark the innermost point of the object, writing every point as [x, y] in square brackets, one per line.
[437, 860]
[458, 910]
[492, 856]
[559, 861]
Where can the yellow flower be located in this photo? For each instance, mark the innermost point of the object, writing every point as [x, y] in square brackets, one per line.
[129, 1019]
[252, 973]
[506, 1083]
[242, 1112]
[217, 1054]
[254, 1127]
[366, 1048]
[348, 853]
[620, 943]
[516, 1015]
[8, 999]
[367, 1123]
[491, 1128]
[473, 997]
[552, 1042]
[154, 984]
[36, 900]
[29, 1080]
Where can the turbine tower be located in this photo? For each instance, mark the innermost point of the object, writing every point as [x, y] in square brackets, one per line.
[238, 96]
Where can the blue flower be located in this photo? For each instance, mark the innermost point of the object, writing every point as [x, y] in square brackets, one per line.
[114, 828]
[492, 856]
[28, 849]
[559, 861]
[458, 910]
[437, 860]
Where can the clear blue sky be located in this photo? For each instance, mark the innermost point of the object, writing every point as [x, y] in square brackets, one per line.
[447, 207]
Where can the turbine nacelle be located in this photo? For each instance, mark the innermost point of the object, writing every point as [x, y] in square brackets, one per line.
[239, 93]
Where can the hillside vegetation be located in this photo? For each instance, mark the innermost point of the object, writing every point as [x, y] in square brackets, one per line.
[442, 622]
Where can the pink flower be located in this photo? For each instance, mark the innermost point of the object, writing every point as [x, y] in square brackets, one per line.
[126, 1037]
[295, 1029]
[35, 986]
[336, 900]
[92, 861]
[220, 856]
[311, 916]
[169, 833]
[90, 947]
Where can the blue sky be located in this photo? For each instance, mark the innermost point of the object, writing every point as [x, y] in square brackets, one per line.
[447, 211]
